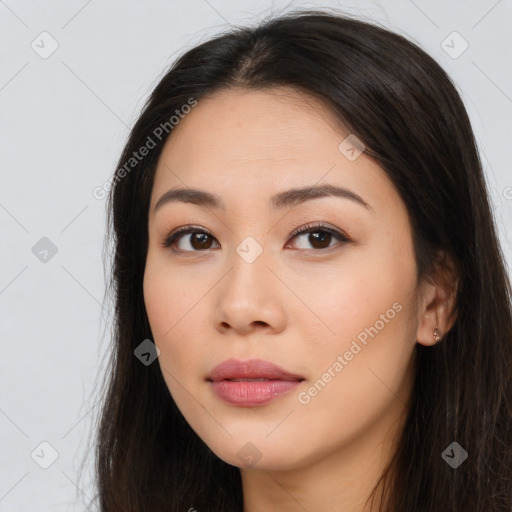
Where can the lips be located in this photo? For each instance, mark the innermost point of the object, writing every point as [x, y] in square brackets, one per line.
[250, 370]
[251, 383]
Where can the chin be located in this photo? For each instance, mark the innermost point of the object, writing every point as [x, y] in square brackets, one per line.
[258, 455]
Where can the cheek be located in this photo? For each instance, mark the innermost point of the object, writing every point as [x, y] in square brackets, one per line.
[174, 308]
[368, 312]
[168, 296]
[369, 286]
[363, 372]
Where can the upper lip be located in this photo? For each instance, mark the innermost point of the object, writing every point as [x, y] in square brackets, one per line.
[250, 369]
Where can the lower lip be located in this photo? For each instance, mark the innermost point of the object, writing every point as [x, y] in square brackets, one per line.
[252, 393]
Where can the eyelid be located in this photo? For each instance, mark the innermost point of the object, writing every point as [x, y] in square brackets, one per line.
[320, 226]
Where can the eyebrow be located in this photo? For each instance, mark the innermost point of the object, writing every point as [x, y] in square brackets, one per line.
[281, 200]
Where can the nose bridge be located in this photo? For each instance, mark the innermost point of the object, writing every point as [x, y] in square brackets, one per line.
[249, 275]
[248, 294]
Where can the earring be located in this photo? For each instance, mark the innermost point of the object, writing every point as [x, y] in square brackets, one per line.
[437, 337]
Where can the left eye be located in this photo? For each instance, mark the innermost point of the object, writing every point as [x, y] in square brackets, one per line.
[319, 236]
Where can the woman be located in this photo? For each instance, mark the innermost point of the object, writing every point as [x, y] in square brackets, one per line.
[312, 308]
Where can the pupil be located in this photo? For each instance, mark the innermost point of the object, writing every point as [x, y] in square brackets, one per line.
[320, 236]
[200, 237]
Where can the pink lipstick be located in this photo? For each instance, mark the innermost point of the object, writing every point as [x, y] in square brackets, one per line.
[252, 382]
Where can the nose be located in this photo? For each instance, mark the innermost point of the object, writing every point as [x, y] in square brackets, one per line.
[249, 298]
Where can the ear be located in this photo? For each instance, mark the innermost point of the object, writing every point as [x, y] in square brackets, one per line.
[437, 302]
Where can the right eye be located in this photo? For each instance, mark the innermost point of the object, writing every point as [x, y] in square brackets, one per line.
[200, 241]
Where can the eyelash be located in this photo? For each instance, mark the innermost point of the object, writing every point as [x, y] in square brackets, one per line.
[308, 228]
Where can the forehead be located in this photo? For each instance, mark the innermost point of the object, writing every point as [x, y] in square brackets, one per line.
[261, 142]
[242, 124]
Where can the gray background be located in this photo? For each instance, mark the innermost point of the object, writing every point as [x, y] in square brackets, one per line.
[64, 119]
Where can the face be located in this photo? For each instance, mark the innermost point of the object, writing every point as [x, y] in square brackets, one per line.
[321, 285]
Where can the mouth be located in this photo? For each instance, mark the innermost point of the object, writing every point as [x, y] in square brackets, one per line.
[251, 383]
[252, 369]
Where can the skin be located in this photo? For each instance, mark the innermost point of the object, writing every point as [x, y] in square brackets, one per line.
[296, 305]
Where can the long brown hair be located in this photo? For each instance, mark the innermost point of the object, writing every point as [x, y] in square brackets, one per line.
[403, 106]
